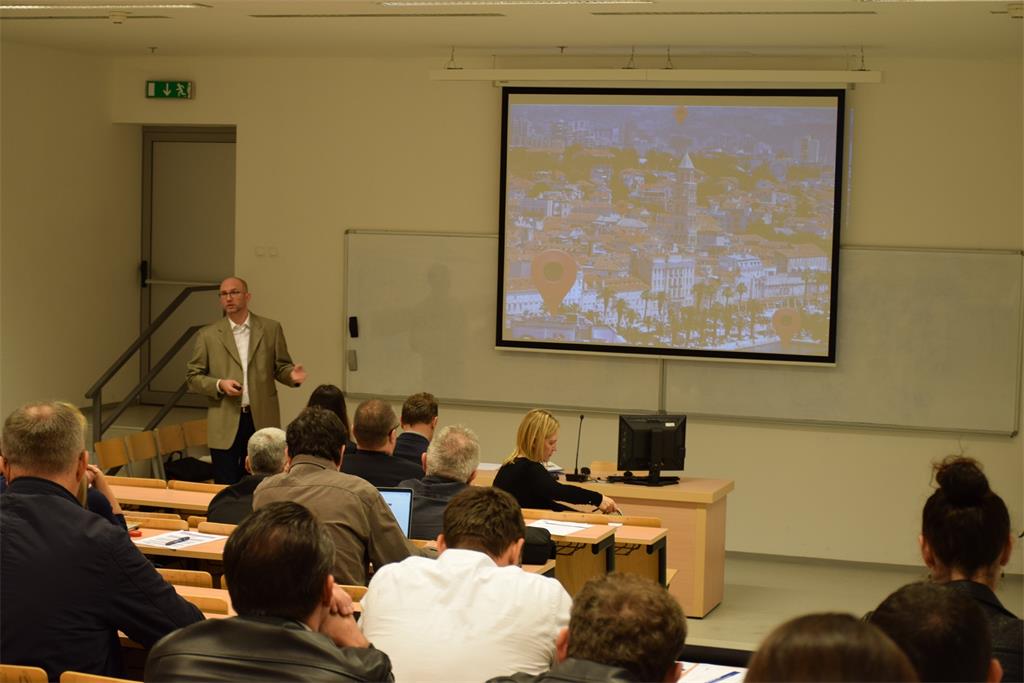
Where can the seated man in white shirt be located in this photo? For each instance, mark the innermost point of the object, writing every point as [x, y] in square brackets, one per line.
[473, 613]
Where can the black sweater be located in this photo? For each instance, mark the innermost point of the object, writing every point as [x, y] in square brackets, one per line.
[534, 487]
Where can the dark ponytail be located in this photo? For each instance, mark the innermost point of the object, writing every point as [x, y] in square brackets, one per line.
[964, 521]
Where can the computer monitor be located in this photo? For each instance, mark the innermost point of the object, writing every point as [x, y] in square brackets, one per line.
[653, 443]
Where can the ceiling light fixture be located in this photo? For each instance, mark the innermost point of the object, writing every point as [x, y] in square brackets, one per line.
[507, 3]
[180, 5]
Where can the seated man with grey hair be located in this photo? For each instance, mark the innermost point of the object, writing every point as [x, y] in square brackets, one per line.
[71, 579]
[450, 463]
[265, 456]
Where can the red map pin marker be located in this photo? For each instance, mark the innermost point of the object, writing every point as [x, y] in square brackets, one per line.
[553, 273]
[786, 322]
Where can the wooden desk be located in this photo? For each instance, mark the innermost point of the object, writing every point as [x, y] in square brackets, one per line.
[584, 554]
[186, 501]
[213, 550]
[642, 550]
[694, 514]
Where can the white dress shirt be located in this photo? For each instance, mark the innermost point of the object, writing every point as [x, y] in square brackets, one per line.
[463, 618]
[241, 332]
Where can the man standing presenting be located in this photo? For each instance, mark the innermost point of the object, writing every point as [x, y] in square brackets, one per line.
[235, 363]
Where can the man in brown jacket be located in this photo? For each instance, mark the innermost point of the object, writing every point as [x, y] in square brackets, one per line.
[358, 520]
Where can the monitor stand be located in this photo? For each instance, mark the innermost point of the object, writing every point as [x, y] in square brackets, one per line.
[653, 478]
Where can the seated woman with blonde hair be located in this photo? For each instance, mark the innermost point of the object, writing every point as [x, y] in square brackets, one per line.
[524, 476]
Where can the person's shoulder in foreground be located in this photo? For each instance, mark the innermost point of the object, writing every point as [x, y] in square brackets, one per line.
[70, 579]
[624, 629]
[293, 622]
[471, 610]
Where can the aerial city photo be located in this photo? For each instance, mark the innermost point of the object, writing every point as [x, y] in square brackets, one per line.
[680, 227]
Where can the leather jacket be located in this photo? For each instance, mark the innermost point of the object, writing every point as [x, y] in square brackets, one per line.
[260, 649]
[572, 671]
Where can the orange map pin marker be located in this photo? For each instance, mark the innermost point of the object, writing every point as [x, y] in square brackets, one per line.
[553, 273]
[786, 322]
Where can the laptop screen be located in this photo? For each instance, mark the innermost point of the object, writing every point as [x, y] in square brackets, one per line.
[400, 502]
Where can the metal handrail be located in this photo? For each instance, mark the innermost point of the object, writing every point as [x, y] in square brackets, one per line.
[95, 392]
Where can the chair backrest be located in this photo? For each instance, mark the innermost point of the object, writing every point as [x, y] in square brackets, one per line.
[195, 486]
[354, 592]
[186, 577]
[603, 467]
[591, 517]
[148, 482]
[146, 514]
[111, 452]
[195, 432]
[142, 448]
[170, 439]
[216, 528]
[194, 521]
[208, 604]
[79, 677]
[15, 673]
[158, 523]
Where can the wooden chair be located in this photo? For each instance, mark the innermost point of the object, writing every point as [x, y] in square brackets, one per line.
[159, 523]
[146, 514]
[78, 677]
[603, 467]
[148, 482]
[216, 528]
[186, 577]
[111, 453]
[14, 673]
[355, 592]
[194, 521]
[142, 448]
[208, 604]
[170, 439]
[195, 433]
[195, 486]
[591, 518]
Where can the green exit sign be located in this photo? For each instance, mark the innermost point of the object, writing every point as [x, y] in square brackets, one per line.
[170, 90]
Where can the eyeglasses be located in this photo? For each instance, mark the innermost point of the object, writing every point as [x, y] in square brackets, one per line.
[233, 292]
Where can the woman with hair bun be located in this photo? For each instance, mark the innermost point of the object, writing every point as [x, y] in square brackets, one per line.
[966, 541]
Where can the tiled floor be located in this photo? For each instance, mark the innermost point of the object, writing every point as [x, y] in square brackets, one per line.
[762, 591]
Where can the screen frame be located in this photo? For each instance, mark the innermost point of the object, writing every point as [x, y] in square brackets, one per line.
[634, 423]
[829, 359]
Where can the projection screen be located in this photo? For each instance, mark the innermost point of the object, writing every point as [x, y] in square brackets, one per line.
[701, 223]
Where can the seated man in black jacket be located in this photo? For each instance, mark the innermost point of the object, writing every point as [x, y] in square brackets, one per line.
[624, 628]
[293, 623]
[419, 420]
[450, 463]
[264, 457]
[375, 427]
[71, 579]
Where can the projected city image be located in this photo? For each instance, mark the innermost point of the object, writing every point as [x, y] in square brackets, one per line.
[683, 227]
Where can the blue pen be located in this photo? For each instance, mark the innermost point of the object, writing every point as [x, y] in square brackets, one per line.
[724, 676]
[177, 540]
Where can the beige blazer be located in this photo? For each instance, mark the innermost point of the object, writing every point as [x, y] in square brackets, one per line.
[216, 357]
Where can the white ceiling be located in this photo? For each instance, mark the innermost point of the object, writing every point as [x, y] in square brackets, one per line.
[689, 28]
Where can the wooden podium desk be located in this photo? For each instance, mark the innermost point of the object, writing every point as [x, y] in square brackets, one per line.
[693, 511]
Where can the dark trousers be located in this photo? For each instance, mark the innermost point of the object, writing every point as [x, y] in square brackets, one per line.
[229, 463]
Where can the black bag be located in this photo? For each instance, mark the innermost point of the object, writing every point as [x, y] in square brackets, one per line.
[539, 548]
[188, 469]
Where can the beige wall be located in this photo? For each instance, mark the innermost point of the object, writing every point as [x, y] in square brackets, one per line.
[325, 145]
[70, 208]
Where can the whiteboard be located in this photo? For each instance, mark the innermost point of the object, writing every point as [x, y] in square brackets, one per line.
[926, 340]
[426, 307]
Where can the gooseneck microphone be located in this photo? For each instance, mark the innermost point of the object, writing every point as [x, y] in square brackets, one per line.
[576, 476]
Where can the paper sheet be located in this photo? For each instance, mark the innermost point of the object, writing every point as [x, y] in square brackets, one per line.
[177, 540]
[711, 673]
[559, 528]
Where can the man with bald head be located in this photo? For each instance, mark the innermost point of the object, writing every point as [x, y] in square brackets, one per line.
[235, 364]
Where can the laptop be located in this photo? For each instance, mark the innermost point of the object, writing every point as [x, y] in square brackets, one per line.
[400, 502]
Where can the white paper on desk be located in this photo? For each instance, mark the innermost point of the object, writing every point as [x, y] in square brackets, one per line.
[172, 540]
[706, 673]
[558, 527]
